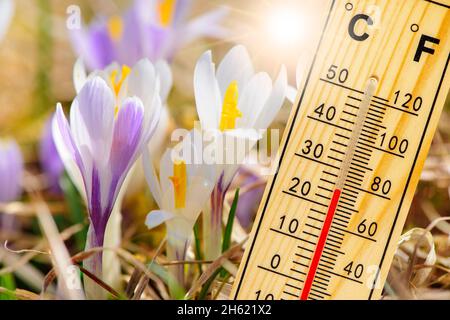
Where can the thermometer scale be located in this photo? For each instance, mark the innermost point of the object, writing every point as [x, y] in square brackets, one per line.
[352, 153]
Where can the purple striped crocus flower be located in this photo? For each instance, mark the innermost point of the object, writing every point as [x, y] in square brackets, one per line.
[250, 197]
[11, 167]
[51, 163]
[11, 171]
[110, 123]
[153, 29]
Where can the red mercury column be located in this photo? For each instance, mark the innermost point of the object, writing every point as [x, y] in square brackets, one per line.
[320, 244]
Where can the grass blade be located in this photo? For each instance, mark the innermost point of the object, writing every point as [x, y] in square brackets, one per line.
[7, 281]
[76, 209]
[229, 227]
[198, 251]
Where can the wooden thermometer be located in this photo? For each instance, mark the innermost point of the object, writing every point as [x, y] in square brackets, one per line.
[352, 153]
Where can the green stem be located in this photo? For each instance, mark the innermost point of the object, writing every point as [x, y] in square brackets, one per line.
[198, 251]
[7, 281]
[76, 210]
[207, 285]
[229, 227]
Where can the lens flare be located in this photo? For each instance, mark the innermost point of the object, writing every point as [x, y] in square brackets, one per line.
[286, 26]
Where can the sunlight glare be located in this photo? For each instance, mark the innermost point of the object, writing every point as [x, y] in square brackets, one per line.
[286, 26]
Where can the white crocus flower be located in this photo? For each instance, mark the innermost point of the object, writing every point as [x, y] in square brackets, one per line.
[236, 103]
[182, 190]
[6, 14]
[292, 92]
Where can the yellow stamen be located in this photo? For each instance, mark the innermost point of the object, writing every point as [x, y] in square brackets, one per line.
[230, 111]
[166, 11]
[115, 27]
[117, 84]
[179, 181]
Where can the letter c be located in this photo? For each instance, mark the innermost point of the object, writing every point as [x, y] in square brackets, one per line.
[352, 26]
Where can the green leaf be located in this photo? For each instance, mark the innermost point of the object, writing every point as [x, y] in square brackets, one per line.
[207, 285]
[7, 281]
[229, 227]
[198, 251]
[176, 290]
[226, 242]
[76, 209]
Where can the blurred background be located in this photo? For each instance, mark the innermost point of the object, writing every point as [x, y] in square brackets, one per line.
[38, 53]
[37, 58]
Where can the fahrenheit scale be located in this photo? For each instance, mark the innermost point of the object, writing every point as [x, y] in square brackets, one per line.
[352, 154]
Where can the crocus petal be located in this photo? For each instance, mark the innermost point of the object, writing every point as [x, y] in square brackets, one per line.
[202, 179]
[159, 135]
[127, 136]
[146, 10]
[162, 44]
[248, 205]
[82, 150]
[92, 119]
[291, 94]
[232, 138]
[181, 12]
[152, 180]
[143, 82]
[132, 46]
[207, 94]
[6, 13]
[235, 66]
[207, 25]
[67, 149]
[229, 172]
[166, 79]
[106, 72]
[11, 168]
[157, 217]
[49, 158]
[113, 235]
[274, 102]
[94, 265]
[152, 117]
[253, 98]
[97, 45]
[79, 75]
[179, 234]
[167, 190]
[126, 145]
